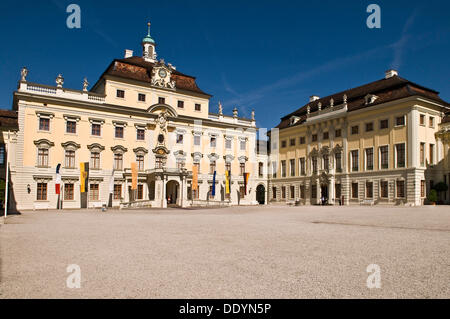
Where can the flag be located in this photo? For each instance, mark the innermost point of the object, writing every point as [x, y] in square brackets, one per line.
[194, 178]
[227, 182]
[213, 193]
[134, 176]
[84, 177]
[246, 176]
[58, 180]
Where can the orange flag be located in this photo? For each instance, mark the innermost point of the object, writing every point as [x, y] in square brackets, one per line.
[134, 176]
[194, 177]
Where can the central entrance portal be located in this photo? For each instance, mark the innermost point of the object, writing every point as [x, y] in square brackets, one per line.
[324, 189]
[173, 193]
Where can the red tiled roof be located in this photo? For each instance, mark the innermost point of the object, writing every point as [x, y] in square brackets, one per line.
[8, 119]
[386, 90]
[137, 68]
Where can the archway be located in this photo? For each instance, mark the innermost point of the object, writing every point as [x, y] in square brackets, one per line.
[261, 194]
[173, 193]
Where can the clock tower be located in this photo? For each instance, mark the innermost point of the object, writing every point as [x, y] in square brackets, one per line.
[148, 47]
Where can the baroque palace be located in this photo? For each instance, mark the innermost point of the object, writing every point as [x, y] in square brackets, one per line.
[144, 136]
[142, 112]
[386, 142]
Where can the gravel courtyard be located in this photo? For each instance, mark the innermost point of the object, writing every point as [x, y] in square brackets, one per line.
[240, 252]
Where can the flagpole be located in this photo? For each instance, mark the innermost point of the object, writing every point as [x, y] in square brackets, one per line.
[7, 177]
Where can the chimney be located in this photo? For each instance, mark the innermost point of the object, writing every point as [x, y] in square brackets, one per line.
[390, 73]
[128, 53]
[313, 98]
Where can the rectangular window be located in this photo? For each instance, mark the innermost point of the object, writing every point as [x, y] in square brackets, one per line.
[302, 166]
[120, 93]
[274, 169]
[369, 190]
[369, 127]
[292, 142]
[384, 191]
[70, 159]
[354, 190]
[384, 124]
[314, 137]
[326, 162]
[431, 121]
[180, 164]
[228, 143]
[384, 157]
[95, 129]
[292, 167]
[242, 192]
[41, 191]
[355, 160]
[141, 97]
[243, 145]
[283, 192]
[314, 164]
[260, 169]
[432, 154]
[313, 191]
[274, 192]
[198, 107]
[95, 160]
[283, 168]
[44, 124]
[422, 119]
[179, 138]
[140, 192]
[181, 104]
[118, 132]
[242, 168]
[68, 191]
[302, 192]
[338, 190]
[302, 140]
[43, 157]
[369, 159]
[401, 156]
[326, 136]
[213, 142]
[117, 191]
[161, 100]
[292, 192]
[118, 161]
[338, 133]
[228, 166]
[422, 154]
[140, 162]
[93, 191]
[197, 140]
[338, 159]
[212, 167]
[355, 130]
[2, 154]
[71, 127]
[400, 120]
[422, 189]
[400, 189]
[140, 134]
[283, 144]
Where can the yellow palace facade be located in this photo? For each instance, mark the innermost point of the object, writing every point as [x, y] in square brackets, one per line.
[374, 144]
[141, 110]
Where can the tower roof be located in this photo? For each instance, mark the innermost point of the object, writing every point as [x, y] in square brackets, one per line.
[148, 38]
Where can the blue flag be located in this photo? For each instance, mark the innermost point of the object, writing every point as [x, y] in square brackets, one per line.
[213, 193]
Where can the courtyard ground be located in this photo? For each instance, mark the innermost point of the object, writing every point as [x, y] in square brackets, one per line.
[238, 252]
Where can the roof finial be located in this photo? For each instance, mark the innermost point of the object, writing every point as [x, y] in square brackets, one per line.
[148, 24]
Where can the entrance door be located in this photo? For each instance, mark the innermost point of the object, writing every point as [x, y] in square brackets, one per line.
[261, 194]
[172, 193]
[324, 189]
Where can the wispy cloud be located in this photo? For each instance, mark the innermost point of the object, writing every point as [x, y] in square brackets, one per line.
[258, 94]
[400, 45]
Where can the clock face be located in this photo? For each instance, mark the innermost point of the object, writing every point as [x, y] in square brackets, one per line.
[162, 73]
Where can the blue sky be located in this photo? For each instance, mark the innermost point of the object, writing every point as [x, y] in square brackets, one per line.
[264, 55]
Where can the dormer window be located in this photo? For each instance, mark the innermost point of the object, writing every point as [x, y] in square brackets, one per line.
[294, 119]
[370, 98]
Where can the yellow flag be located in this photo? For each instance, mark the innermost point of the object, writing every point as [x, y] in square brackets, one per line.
[227, 182]
[194, 177]
[134, 176]
[82, 178]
